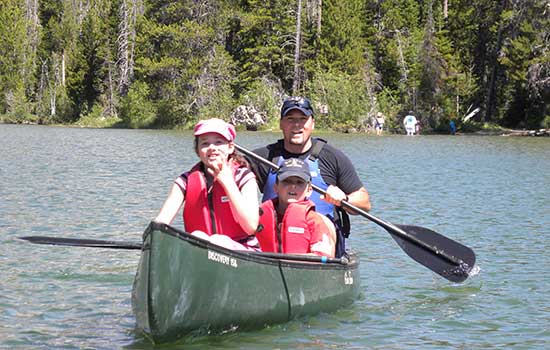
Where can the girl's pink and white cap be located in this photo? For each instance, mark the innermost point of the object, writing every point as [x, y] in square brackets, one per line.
[217, 126]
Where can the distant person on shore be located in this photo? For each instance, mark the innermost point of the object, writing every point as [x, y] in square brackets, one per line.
[289, 223]
[379, 123]
[219, 194]
[452, 127]
[410, 123]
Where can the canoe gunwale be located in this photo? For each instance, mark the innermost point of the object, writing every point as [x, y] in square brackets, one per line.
[284, 260]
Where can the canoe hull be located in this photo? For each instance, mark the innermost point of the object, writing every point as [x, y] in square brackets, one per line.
[186, 285]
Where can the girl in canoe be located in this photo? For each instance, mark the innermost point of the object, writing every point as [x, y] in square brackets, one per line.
[219, 194]
[289, 223]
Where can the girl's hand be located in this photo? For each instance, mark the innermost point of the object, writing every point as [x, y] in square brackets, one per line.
[221, 171]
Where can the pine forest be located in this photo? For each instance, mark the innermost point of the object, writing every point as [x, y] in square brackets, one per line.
[168, 63]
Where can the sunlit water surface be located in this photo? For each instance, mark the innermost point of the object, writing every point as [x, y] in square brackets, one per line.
[490, 193]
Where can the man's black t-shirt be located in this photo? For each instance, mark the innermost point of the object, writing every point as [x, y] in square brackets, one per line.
[335, 167]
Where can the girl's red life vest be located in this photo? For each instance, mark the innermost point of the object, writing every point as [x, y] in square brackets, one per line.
[209, 212]
[294, 237]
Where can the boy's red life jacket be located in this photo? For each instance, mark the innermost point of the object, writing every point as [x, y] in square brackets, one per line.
[294, 237]
[209, 212]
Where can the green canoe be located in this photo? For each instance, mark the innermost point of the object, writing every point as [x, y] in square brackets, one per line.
[185, 285]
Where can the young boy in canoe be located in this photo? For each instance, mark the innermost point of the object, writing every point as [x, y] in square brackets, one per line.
[289, 223]
[219, 194]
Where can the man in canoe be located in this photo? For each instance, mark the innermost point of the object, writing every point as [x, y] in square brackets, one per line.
[289, 223]
[219, 194]
[331, 169]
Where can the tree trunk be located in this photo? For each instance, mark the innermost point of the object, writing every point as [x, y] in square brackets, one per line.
[490, 102]
[319, 16]
[112, 102]
[128, 13]
[63, 68]
[403, 64]
[296, 84]
[369, 76]
[42, 88]
[33, 31]
[53, 85]
[122, 41]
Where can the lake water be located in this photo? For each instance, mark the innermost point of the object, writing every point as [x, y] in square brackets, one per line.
[490, 193]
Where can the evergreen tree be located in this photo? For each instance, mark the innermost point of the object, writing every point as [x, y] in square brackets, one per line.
[538, 72]
[520, 51]
[462, 82]
[341, 42]
[431, 79]
[16, 59]
[262, 42]
[396, 42]
[175, 39]
[92, 61]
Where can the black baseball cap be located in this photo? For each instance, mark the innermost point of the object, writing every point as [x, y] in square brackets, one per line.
[294, 167]
[297, 102]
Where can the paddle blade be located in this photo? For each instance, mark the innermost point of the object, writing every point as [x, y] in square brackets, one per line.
[453, 271]
[77, 242]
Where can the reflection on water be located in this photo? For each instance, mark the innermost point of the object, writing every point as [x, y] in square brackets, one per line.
[489, 193]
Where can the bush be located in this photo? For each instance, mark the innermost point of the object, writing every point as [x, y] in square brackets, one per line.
[97, 119]
[389, 105]
[266, 96]
[19, 118]
[136, 110]
[346, 98]
[220, 104]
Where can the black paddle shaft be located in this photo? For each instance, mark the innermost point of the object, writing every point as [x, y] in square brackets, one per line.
[78, 242]
[95, 243]
[423, 245]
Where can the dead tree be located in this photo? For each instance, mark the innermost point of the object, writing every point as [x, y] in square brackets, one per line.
[296, 84]
[128, 12]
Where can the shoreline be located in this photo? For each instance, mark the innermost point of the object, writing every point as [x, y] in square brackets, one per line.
[494, 132]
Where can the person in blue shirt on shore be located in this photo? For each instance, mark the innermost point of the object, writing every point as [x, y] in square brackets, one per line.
[452, 126]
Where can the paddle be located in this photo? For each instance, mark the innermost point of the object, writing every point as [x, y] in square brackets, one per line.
[77, 242]
[440, 254]
[95, 243]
